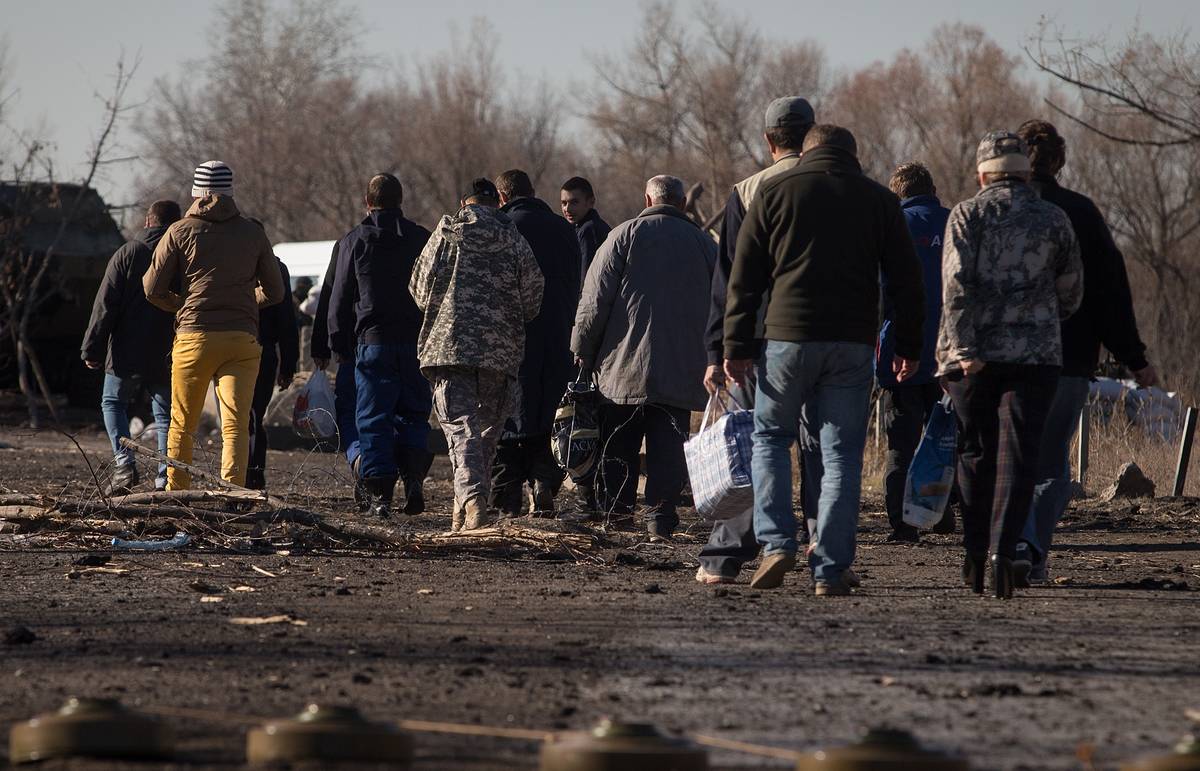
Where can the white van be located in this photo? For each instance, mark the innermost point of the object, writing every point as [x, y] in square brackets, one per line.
[305, 258]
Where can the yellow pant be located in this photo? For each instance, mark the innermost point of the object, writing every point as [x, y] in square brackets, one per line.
[198, 358]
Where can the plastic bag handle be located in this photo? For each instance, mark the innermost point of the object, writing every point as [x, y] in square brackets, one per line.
[713, 399]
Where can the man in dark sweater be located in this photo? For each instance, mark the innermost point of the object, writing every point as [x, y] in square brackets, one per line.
[578, 202]
[369, 306]
[523, 455]
[1105, 317]
[905, 408]
[132, 340]
[814, 243]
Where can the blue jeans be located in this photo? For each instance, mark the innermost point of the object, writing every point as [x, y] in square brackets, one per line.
[394, 402]
[114, 405]
[821, 392]
[1052, 492]
[345, 401]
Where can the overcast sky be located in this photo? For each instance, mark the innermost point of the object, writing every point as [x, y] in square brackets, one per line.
[62, 52]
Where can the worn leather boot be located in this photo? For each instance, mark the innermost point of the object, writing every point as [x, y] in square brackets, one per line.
[542, 504]
[456, 517]
[476, 516]
[414, 467]
[379, 492]
[124, 479]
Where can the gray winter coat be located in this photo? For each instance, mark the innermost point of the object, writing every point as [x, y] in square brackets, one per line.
[642, 316]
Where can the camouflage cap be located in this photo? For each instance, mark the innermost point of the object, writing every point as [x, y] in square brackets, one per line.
[1002, 151]
[789, 111]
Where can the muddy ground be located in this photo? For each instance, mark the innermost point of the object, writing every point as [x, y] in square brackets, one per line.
[1106, 656]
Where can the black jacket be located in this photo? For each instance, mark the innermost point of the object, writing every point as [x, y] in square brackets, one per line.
[547, 365]
[370, 302]
[731, 224]
[278, 332]
[129, 334]
[319, 347]
[591, 233]
[815, 240]
[1106, 316]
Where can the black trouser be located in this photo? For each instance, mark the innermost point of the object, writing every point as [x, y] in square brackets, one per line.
[264, 387]
[520, 461]
[1001, 412]
[904, 411]
[622, 429]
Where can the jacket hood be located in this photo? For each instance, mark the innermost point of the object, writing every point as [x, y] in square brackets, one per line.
[151, 236]
[214, 208]
[920, 200]
[664, 209]
[527, 203]
[479, 229]
[829, 158]
[385, 219]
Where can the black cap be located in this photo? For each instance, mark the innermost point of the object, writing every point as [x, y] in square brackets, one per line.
[483, 188]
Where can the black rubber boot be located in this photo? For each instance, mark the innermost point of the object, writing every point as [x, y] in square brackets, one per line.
[974, 568]
[1002, 577]
[414, 467]
[379, 492]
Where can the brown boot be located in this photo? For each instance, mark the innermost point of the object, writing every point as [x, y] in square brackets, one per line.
[475, 515]
[456, 517]
[773, 568]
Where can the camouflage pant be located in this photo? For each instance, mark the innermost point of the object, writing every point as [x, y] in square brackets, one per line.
[472, 405]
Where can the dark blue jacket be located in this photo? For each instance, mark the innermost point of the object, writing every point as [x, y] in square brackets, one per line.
[126, 332]
[369, 302]
[279, 332]
[926, 218]
[731, 224]
[591, 233]
[547, 366]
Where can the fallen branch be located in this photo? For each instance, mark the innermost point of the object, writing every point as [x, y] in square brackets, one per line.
[204, 474]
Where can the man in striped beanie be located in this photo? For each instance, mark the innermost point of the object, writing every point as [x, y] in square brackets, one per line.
[213, 269]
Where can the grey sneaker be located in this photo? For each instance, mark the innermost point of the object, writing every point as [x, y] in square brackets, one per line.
[124, 479]
[772, 570]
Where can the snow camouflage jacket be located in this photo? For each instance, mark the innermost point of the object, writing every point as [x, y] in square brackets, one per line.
[1010, 272]
[478, 283]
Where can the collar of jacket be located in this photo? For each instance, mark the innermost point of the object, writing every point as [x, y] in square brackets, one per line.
[525, 202]
[782, 158]
[151, 236]
[385, 218]
[214, 208]
[824, 158]
[664, 208]
[1017, 186]
[919, 200]
[591, 216]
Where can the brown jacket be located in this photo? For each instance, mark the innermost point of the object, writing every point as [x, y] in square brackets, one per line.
[214, 269]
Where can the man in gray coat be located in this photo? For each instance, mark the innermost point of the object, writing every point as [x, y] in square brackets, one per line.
[640, 326]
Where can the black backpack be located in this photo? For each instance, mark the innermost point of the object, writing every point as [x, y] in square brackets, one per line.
[576, 438]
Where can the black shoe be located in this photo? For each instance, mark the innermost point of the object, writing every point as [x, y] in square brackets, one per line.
[974, 566]
[660, 532]
[379, 492]
[124, 479]
[945, 525]
[1022, 566]
[904, 534]
[414, 467]
[256, 479]
[1002, 577]
[543, 500]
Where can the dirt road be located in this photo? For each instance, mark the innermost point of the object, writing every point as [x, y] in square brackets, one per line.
[1107, 656]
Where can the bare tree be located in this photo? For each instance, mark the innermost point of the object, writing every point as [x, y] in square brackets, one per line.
[27, 278]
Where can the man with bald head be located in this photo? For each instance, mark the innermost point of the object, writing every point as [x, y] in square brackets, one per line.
[374, 322]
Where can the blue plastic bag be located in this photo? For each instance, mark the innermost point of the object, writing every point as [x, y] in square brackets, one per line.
[931, 475]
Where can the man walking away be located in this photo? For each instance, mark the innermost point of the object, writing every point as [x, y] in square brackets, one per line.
[131, 339]
[478, 284]
[370, 304]
[345, 392]
[1105, 317]
[278, 334]
[640, 325]
[523, 455]
[732, 542]
[905, 407]
[225, 271]
[578, 202]
[1011, 272]
[814, 243]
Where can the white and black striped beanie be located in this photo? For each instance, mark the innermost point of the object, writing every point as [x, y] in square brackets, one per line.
[212, 177]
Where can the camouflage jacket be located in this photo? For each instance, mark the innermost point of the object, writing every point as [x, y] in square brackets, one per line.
[1010, 272]
[477, 283]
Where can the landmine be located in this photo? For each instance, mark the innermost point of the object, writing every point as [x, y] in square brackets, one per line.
[882, 749]
[332, 734]
[616, 746]
[94, 728]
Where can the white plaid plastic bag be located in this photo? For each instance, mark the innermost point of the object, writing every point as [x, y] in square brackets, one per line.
[718, 461]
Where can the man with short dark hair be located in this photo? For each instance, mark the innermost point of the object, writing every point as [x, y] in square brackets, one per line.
[905, 408]
[1105, 317]
[478, 284]
[813, 245]
[131, 339]
[640, 326]
[214, 269]
[1011, 273]
[578, 202]
[523, 455]
[732, 542]
[368, 305]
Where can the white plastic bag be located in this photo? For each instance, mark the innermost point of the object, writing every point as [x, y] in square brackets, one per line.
[931, 473]
[313, 416]
[718, 462]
